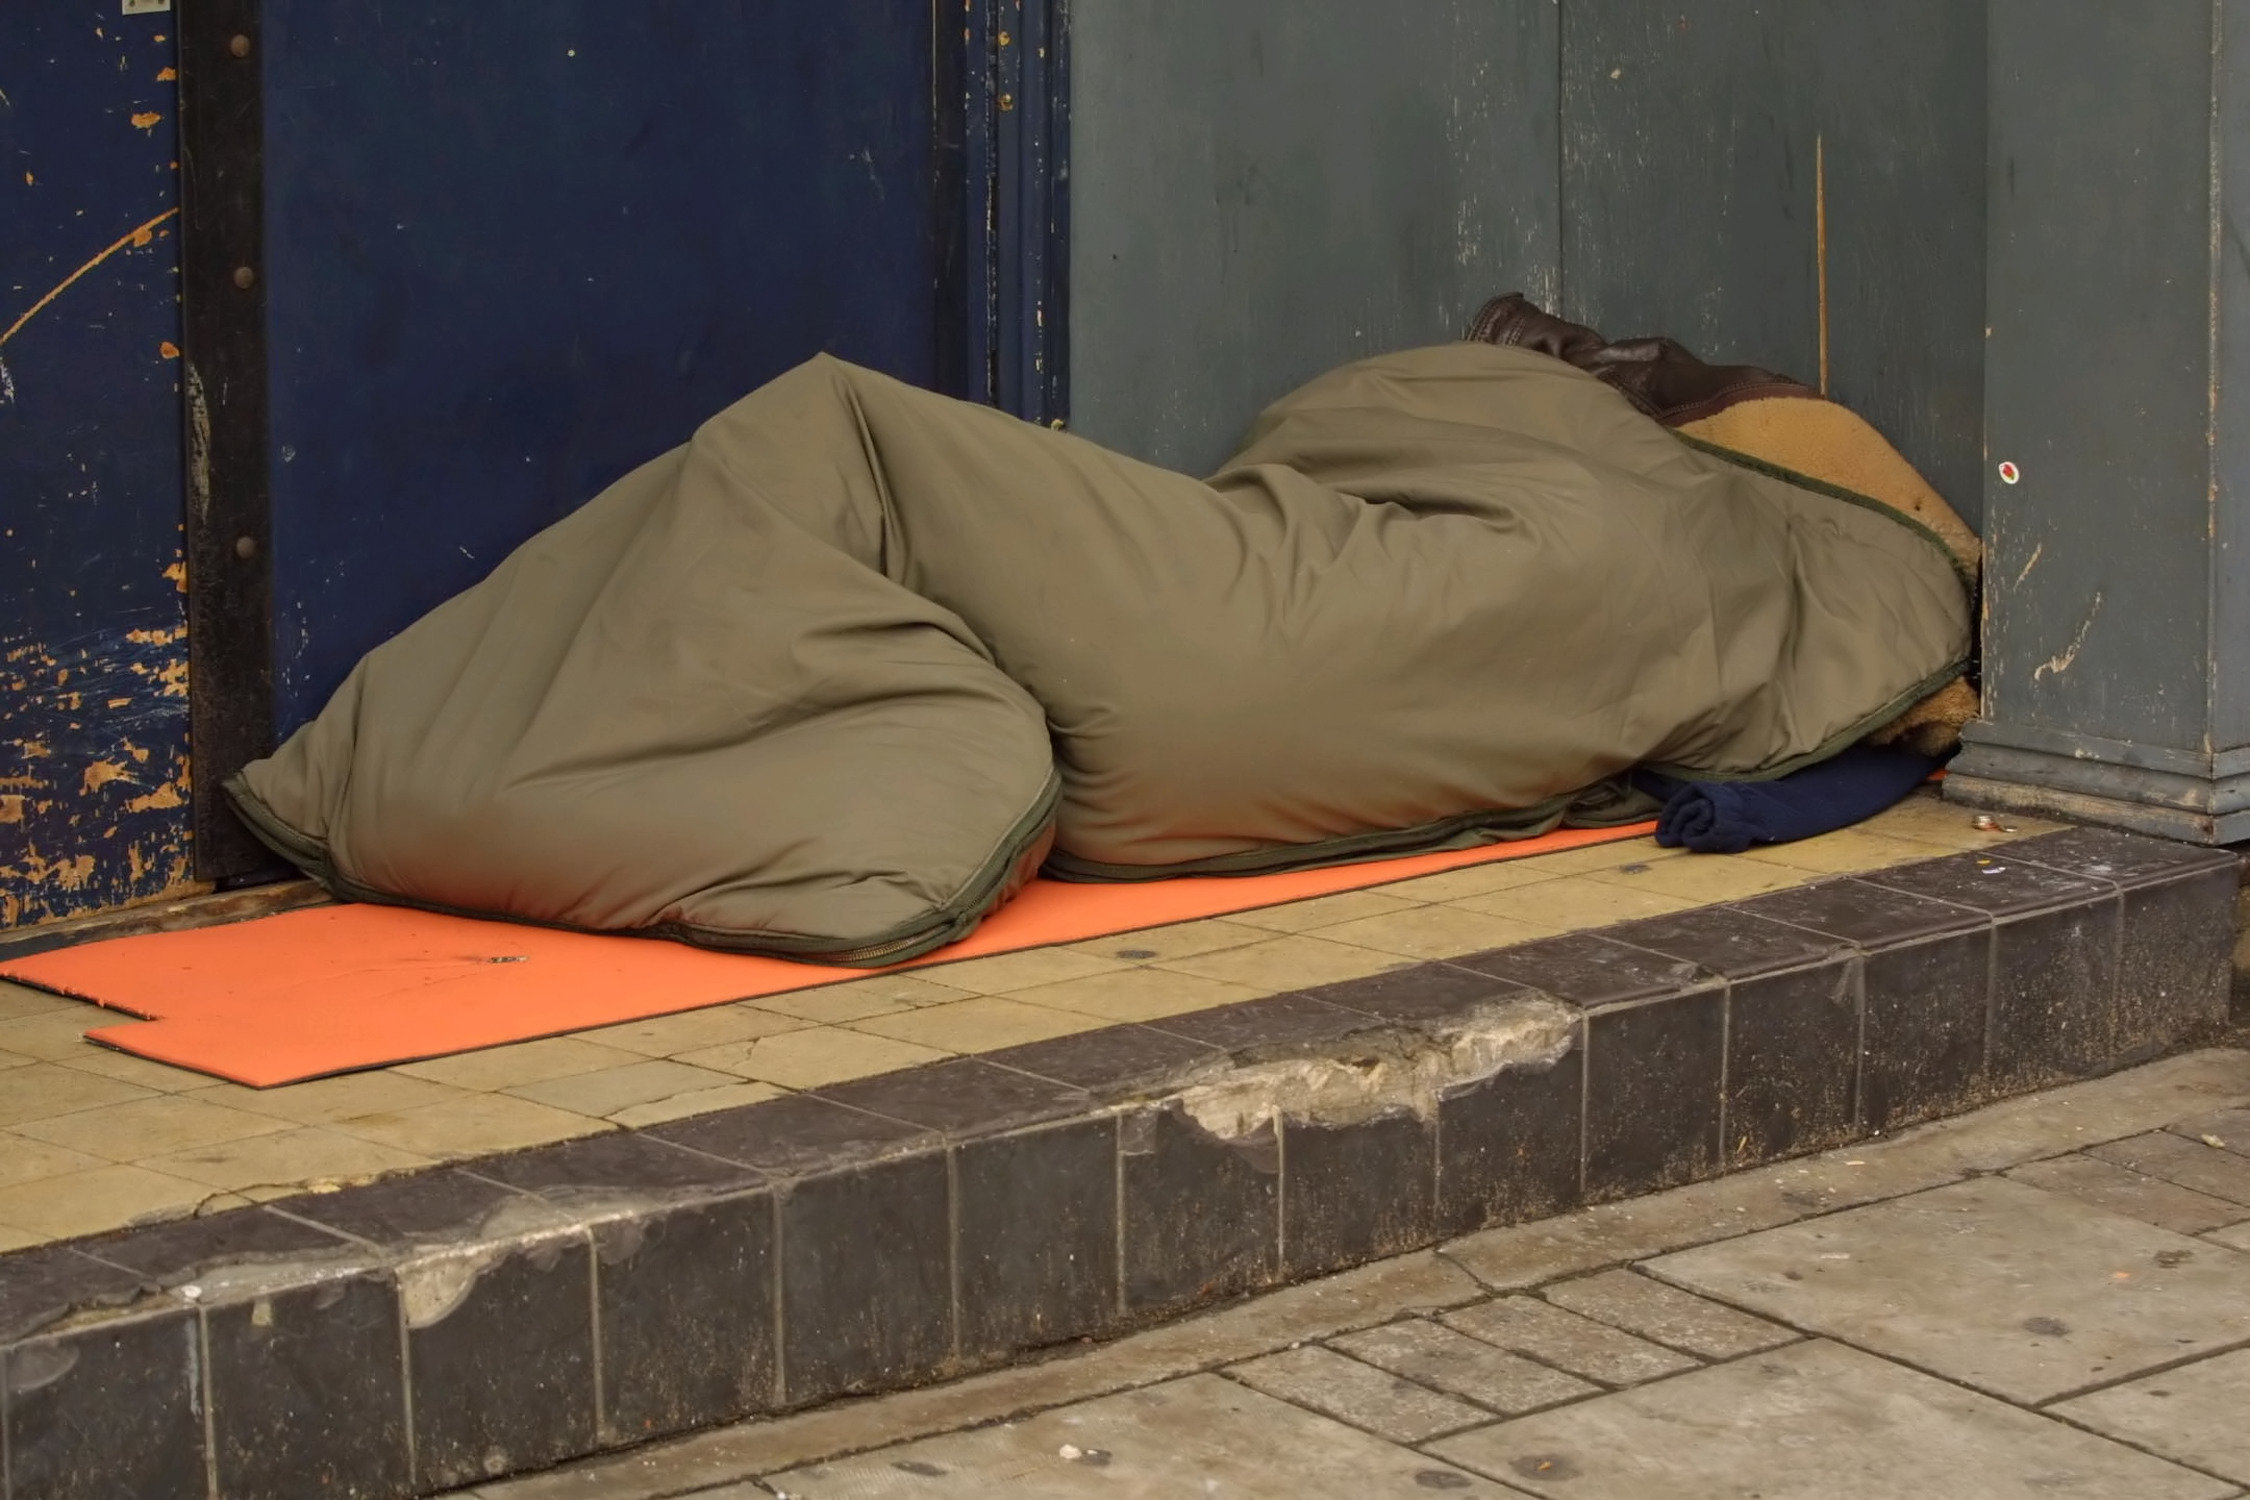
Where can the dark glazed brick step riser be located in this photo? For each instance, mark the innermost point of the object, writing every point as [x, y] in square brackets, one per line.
[442, 1328]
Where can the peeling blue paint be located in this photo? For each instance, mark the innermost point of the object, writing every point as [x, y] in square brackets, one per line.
[93, 650]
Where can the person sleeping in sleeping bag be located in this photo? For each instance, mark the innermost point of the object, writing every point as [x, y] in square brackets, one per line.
[835, 677]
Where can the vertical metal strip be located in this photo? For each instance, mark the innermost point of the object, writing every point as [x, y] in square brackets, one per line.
[980, 258]
[1054, 302]
[1041, 190]
[223, 317]
[1028, 206]
[1820, 245]
[1015, 135]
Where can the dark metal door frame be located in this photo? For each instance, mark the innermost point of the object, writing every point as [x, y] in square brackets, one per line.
[223, 354]
[999, 113]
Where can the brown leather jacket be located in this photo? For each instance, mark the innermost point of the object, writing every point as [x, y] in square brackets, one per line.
[1656, 375]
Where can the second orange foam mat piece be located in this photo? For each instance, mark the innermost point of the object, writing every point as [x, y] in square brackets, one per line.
[334, 989]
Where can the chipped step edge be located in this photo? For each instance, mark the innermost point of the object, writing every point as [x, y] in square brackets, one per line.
[1400, 1071]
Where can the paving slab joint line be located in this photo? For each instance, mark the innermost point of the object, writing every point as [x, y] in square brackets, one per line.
[1225, 1368]
[1644, 1335]
[1605, 1389]
[2122, 1440]
[1702, 1362]
[1601, 1388]
[2144, 1373]
[1485, 1412]
[1634, 1259]
[2067, 1419]
[2042, 1407]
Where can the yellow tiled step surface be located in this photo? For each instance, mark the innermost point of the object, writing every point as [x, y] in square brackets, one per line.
[92, 1139]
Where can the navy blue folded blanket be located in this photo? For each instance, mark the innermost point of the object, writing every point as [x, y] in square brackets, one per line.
[1727, 817]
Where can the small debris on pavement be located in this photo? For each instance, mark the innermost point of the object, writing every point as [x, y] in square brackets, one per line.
[2213, 1141]
[1987, 823]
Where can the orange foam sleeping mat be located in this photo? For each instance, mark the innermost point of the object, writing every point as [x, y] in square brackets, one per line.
[334, 989]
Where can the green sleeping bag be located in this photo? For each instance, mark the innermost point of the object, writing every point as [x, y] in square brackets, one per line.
[834, 678]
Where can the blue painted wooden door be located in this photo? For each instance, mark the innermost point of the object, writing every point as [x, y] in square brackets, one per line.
[513, 251]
